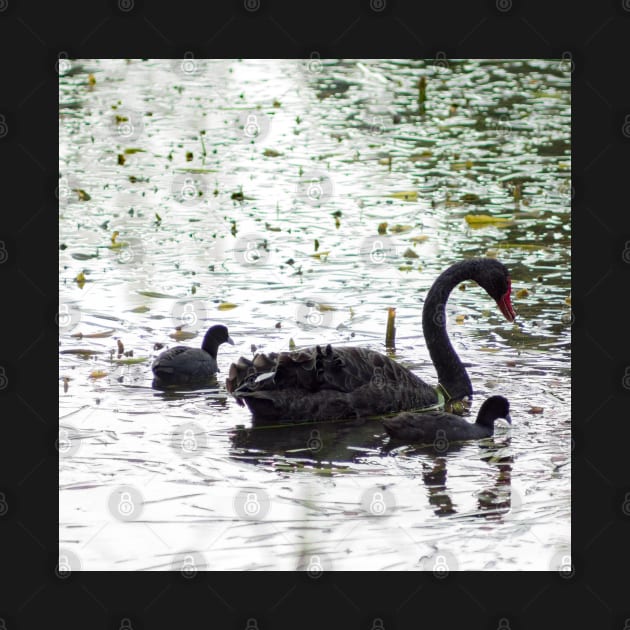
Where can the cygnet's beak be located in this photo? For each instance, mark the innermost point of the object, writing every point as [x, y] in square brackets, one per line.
[230, 340]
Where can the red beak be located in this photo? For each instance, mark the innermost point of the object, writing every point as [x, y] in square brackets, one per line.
[505, 304]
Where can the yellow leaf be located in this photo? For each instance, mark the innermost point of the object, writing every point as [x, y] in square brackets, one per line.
[226, 306]
[419, 239]
[80, 279]
[319, 255]
[459, 319]
[521, 293]
[291, 344]
[97, 374]
[481, 220]
[382, 228]
[406, 195]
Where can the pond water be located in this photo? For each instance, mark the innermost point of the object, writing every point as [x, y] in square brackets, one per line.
[254, 193]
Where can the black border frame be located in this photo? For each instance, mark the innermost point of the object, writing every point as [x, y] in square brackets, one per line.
[597, 37]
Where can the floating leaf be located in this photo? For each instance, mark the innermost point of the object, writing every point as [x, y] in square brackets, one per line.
[459, 319]
[382, 228]
[319, 255]
[521, 293]
[79, 256]
[155, 294]
[82, 352]
[80, 279]
[83, 196]
[482, 220]
[400, 229]
[419, 239]
[131, 360]
[406, 195]
[133, 150]
[181, 335]
[409, 253]
[226, 306]
[271, 228]
[97, 335]
[97, 374]
[535, 410]
[291, 344]
[271, 153]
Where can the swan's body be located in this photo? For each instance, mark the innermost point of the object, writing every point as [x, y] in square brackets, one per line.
[429, 427]
[325, 383]
[181, 365]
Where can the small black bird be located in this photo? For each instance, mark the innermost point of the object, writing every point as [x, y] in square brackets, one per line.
[181, 365]
[424, 427]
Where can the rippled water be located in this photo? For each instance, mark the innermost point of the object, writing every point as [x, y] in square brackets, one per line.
[251, 193]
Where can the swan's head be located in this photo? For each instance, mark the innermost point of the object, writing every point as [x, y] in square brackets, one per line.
[494, 277]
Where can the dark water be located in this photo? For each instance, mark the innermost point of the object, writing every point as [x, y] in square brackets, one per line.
[251, 193]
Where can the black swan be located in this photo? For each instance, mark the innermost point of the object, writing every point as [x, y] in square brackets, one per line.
[326, 383]
[428, 427]
[181, 365]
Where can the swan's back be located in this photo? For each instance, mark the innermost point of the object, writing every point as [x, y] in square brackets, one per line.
[325, 383]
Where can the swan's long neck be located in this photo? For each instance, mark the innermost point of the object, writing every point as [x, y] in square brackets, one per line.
[451, 372]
